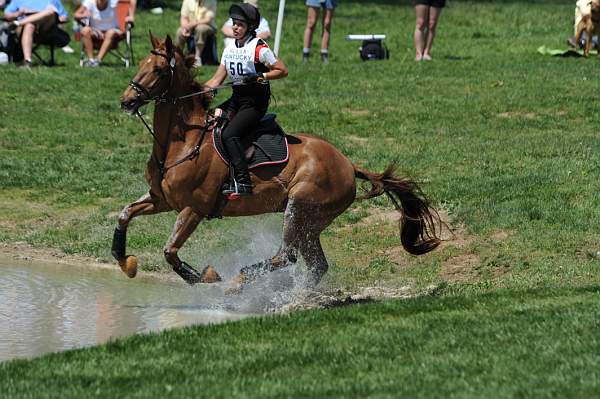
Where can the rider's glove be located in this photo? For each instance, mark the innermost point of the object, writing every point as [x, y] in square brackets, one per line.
[254, 78]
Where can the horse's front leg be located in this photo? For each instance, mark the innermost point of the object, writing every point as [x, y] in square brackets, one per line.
[146, 205]
[186, 223]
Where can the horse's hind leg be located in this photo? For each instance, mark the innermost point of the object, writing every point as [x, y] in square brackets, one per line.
[312, 252]
[146, 205]
[185, 225]
[286, 255]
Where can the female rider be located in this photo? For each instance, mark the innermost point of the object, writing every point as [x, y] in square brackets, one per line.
[250, 64]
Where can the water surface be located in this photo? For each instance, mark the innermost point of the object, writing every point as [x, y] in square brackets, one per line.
[46, 307]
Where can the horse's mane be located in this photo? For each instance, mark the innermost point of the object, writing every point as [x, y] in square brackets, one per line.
[196, 87]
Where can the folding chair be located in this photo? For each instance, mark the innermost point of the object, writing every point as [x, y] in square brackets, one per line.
[56, 38]
[127, 56]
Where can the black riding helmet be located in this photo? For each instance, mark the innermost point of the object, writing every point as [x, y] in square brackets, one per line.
[247, 13]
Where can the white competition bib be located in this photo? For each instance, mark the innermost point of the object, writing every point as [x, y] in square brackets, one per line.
[240, 62]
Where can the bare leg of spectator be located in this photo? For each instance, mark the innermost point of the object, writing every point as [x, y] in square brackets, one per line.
[35, 17]
[422, 13]
[88, 44]
[109, 37]
[27, 41]
[434, 15]
[311, 21]
[327, 18]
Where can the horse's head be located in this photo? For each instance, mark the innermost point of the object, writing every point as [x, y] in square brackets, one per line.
[158, 75]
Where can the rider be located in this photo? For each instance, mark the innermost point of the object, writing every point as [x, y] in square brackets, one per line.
[250, 64]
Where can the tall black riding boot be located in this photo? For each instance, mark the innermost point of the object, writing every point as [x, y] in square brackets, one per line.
[240, 183]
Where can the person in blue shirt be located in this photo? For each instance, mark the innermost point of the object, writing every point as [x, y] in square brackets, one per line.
[32, 19]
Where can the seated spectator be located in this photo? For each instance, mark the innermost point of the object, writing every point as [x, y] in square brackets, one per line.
[582, 7]
[34, 19]
[197, 21]
[102, 25]
[262, 32]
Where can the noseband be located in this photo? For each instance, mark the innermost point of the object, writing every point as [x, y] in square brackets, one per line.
[144, 93]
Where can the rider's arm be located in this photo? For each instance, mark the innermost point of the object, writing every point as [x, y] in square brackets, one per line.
[218, 77]
[277, 69]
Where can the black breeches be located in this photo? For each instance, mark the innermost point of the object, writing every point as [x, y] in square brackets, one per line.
[244, 122]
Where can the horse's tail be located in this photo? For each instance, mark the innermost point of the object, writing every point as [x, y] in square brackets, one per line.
[420, 224]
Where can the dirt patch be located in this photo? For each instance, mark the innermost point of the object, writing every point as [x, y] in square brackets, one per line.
[518, 114]
[320, 300]
[461, 268]
[357, 139]
[357, 112]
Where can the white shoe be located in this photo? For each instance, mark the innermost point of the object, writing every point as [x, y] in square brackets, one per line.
[198, 62]
[68, 49]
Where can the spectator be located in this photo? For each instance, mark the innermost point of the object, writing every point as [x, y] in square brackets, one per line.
[427, 12]
[582, 7]
[262, 32]
[33, 19]
[102, 26]
[311, 21]
[197, 22]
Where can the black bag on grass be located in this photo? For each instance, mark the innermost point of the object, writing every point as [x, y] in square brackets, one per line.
[374, 50]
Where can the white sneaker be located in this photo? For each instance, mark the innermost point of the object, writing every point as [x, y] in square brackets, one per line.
[198, 62]
[68, 49]
[92, 63]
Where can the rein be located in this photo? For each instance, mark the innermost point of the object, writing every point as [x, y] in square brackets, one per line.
[145, 95]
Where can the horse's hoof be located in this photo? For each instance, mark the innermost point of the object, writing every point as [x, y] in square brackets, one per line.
[129, 266]
[209, 275]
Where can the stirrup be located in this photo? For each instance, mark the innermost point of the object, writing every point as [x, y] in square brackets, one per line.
[237, 190]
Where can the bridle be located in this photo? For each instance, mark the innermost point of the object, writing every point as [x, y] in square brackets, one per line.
[144, 94]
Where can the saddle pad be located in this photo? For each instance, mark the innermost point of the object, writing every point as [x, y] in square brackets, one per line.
[269, 142]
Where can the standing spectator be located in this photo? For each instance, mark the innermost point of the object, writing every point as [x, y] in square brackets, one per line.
[262, 32]
[311, 21]
[33, 19]
[428, 12]
[102, 26]
[197, 21]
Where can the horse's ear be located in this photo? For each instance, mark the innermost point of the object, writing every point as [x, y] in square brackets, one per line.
[169, 45]
[154, 40]
[189, 61]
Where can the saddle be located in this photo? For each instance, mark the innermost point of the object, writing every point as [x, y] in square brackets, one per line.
[266, 145]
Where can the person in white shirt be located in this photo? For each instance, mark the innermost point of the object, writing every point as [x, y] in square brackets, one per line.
[102, 25]
[250, 64]
[262, 32]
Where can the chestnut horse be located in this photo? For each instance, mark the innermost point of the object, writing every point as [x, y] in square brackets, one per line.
[185, 174]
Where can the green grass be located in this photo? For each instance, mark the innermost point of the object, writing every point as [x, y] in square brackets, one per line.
[503, 139]
[539, 343]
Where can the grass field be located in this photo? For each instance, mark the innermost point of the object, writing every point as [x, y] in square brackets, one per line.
[503, 139]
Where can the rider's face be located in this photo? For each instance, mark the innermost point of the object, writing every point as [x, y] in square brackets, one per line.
[239, 29]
